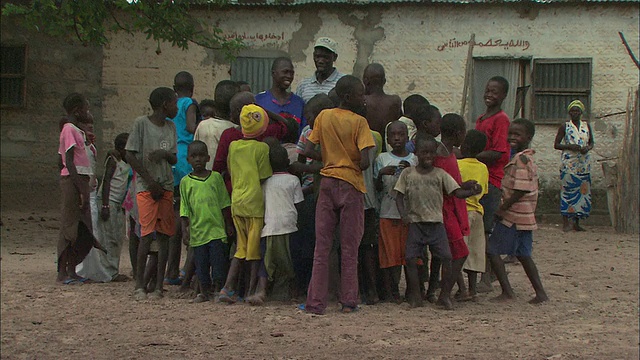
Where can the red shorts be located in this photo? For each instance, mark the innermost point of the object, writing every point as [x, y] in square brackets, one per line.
[156, 215]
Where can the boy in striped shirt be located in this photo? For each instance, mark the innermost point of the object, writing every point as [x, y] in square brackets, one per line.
[515, 218]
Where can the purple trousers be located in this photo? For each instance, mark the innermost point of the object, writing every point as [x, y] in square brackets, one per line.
[338, 202]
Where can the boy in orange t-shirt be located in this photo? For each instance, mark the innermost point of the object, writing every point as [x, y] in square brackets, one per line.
[344, 137]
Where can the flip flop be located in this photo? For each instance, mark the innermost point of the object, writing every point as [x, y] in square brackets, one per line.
[349, 309]
[71, 281]
[176, 281]
[227, 296]
[302, 307]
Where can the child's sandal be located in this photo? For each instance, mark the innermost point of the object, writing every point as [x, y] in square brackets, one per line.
[227, 296]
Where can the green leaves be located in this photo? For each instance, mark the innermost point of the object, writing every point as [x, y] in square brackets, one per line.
[91, 20]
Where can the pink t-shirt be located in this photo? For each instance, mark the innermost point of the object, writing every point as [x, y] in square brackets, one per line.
[496, 128]
[72, 137]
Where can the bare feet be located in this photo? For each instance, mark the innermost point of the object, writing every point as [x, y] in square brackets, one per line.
[445, 301]
[415, 302]
[577, 227]
[139, 294]
[120, 278]
[539, 299]
[156, 295]
[483, 287]
[255, 300]
[567, 227]
[503, 297]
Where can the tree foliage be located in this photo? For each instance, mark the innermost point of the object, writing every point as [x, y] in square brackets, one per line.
[91, 20]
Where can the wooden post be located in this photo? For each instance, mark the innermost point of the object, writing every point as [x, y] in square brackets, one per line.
[467, 74]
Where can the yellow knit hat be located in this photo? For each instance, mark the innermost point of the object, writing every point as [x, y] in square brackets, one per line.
[253, 120]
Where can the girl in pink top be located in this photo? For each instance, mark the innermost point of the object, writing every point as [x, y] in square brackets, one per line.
[76, 237]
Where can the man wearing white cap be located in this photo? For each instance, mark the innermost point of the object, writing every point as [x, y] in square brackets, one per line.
[326, 75]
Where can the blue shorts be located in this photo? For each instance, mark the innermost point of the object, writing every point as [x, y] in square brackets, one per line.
[432, 234]
[510, 241]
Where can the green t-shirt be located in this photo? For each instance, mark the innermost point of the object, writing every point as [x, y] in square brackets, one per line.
[202, 201]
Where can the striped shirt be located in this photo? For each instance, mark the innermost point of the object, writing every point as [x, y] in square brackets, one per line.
[309, 87]
[521, 173]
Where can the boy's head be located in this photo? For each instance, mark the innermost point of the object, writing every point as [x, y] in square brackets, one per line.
[236, 103]
[474, 143]
[521, 132]
[316, 104]
[373, 76]
[278, 158]
[165, 100]
[183, 83]
[282, 72]
[208, 108]
[333, 96]
[413, 104]
[120, 142]
[198, 155]
[244, 86]
[397, 135]
[453, 127]
[426, 149]
[77, 105]
[253, 120]
[225, 90]
[428, 119]
[351, 92]
[496, 91]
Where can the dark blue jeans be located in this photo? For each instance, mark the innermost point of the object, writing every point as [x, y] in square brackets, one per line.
[212, 262]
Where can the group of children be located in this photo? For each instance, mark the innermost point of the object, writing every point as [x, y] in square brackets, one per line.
[266, 207]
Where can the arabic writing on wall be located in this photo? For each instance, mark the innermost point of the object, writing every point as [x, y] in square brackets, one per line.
[257, 36]
[492, 42]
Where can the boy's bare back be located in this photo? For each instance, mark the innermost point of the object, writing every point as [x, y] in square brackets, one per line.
[382, 109]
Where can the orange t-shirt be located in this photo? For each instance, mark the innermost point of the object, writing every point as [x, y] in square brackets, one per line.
[342, 134]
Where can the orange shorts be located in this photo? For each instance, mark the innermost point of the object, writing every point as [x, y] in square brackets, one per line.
[156, 215]
[392, 244]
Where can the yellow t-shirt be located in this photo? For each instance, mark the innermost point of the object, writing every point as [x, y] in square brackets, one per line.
[248, 163]
[342, 134]
[472, 169]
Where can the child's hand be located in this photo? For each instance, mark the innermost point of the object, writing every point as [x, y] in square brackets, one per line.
[470, 185]
[104, 213]
[477, 189]
[230, 230]
[404, 164]
[574, 147]
[157, 155]
[388, 170]
[186, 235]
[157, 191]
[584, 149]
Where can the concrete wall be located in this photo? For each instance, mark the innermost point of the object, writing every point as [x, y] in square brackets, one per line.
[30, 135]
[408, 39]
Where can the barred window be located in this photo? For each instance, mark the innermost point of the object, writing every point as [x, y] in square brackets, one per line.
[12, 76]
[557, 82]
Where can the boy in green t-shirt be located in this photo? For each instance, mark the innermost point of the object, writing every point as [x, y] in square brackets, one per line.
[205, 213]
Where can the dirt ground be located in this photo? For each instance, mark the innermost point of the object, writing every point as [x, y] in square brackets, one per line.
[592, 279]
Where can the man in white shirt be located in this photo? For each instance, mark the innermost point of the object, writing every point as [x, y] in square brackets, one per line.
[326, 75]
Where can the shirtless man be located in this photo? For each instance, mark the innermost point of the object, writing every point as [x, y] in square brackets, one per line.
[381, 108]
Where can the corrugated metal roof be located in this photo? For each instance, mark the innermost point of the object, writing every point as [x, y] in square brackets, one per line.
[367, 2]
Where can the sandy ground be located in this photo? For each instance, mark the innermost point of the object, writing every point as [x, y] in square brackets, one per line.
[592, 279]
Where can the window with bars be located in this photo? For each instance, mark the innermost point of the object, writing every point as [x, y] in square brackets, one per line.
[12, 76]
[556, 83]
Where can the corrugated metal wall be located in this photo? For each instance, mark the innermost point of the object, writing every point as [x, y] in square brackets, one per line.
[256, 71]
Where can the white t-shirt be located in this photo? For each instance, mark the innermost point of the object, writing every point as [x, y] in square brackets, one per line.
[281, 192]
[209, 132]
[388, 208]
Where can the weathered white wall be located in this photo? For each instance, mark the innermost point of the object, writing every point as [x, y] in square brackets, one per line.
[408, 40]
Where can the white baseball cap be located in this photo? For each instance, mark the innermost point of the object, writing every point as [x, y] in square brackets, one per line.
[327, 43]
